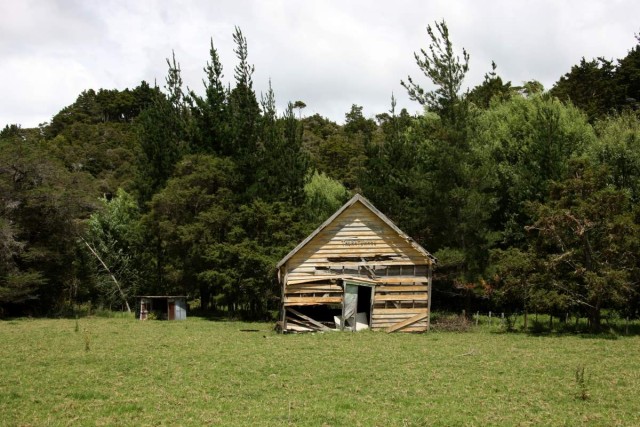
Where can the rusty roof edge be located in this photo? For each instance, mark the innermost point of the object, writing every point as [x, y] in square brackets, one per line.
[358, 198]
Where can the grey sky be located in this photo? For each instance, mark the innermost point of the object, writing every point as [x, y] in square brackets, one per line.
[330, 53]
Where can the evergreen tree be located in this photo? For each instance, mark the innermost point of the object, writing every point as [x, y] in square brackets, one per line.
[163, 134]
[591, 86]
[390, 175]
[588, 238]
[211, 113]
[42, 206]
[628, 78]
[244, 116]
[491, 88]
[618, 148]
[444, 69]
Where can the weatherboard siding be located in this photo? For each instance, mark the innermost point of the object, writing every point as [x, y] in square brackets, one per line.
[360, 245]
[356, 233]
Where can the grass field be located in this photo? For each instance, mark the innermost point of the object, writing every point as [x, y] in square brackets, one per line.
[200, 372]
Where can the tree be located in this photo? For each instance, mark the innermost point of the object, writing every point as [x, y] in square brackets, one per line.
[282, 162]
[491, 88]
[299, 105]
[16, 286]
[452, 188]
[444, 69]
[588, 238]
[340, 152]
[193, 212]
[211, 113]
[261, 234]
[514, 274]
[114, 238]
[525, 144]
[323, 196]
[618, 148]
[163, 134]
[591, 86]
[42, 206]
[628, 78]
[389, 178]
[244, 115]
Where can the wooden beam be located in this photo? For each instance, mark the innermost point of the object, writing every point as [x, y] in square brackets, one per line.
[399, 310]
[407, 322]
[402, 297]
[295, 325]
[391, 280]
[312, 300]
[308, 319]
[417, 288]
[430, 282]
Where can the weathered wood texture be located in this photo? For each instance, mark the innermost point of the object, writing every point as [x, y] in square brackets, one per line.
[355, 240]
[361, 245]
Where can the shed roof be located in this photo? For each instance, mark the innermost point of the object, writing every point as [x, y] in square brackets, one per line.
[358, 199]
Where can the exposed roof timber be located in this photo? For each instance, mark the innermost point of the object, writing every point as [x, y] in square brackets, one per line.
[368, 205]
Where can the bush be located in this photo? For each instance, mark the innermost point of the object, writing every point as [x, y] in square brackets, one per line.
[450, 323]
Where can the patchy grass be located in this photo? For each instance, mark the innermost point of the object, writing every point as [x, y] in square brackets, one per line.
[200, 372]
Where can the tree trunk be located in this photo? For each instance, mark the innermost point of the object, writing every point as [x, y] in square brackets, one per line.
[595, 319]
[205, 297]
[95, 253]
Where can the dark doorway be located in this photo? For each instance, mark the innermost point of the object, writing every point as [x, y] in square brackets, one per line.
[364, 301]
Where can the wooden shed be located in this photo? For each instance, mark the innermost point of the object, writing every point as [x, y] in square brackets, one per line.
[165, 307]
[357, 270]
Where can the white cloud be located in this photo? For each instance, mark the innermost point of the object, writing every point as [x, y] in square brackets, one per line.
[330, 53]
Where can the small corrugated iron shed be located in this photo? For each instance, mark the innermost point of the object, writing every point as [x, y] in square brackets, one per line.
[357, 270]
[166, 307]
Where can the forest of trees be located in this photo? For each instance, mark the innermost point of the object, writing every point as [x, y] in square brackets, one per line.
[529, 198]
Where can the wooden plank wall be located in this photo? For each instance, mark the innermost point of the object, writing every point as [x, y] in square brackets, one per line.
[394, 303]
[358, 245]
[356, 234]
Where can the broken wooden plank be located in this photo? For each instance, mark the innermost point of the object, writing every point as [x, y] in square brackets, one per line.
[308, 319]
[407, 322]
[385, 324]
[292, 321]
[298, 328]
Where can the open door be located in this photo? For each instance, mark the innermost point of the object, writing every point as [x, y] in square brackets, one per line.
[357, 303]
[172, 310]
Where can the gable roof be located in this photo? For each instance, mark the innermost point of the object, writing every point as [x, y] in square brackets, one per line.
[355, 199]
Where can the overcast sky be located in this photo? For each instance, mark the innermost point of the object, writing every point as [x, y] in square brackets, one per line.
[330, 53]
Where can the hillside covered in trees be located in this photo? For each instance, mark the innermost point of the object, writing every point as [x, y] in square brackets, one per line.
[529, 198]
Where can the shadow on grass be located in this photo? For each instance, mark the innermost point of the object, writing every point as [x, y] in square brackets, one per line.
[607, 332]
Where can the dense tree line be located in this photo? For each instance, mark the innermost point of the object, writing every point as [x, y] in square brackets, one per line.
[529, 198]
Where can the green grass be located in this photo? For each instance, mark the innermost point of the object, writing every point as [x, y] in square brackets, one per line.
[199, 372]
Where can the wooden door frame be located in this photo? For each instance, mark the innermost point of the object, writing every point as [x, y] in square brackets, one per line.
[346, 282]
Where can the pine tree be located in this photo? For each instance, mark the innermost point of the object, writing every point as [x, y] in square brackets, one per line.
[244, 115]
[444, 69]
[211, 113]
[163, 134]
